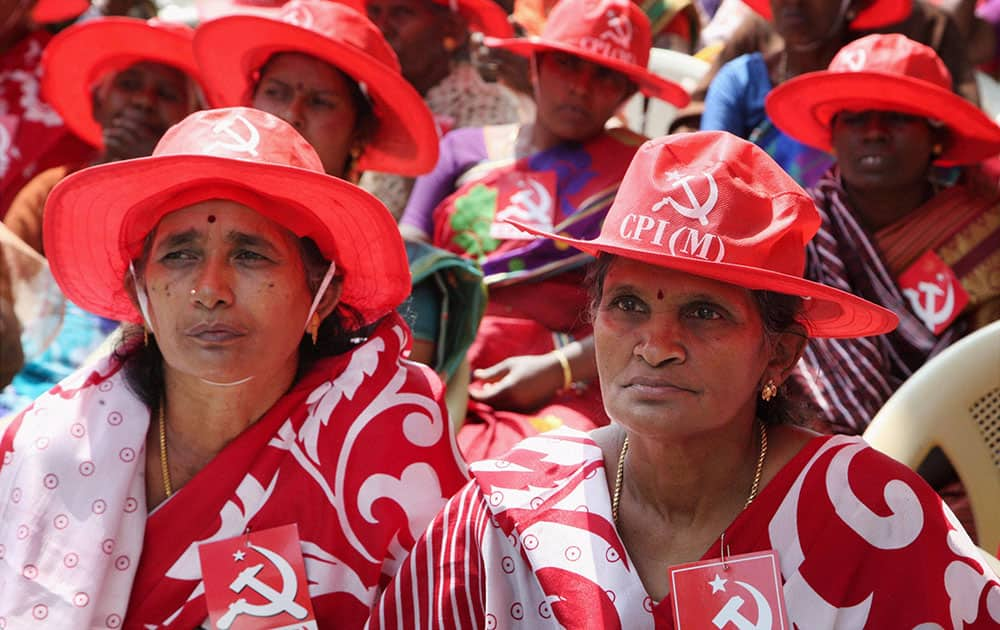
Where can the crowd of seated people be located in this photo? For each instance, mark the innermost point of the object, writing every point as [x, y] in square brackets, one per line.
[384, 313]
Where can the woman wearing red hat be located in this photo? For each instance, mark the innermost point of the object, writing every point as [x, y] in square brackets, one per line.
[558, 172]
[809, 34]
[893, 232]
[256, 450]
[700, 506]
[326, 69]
[118, 84]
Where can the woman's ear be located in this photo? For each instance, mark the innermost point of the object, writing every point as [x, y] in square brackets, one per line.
[330, 298]
[786, 350]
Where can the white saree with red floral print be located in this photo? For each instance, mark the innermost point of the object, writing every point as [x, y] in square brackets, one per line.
[359, 454]
[529, 543]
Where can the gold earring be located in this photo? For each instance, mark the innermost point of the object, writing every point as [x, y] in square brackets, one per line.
[769, 391]
[353, 174]
[937, 150]
[314, 327]
[145, 335]
[449, 44]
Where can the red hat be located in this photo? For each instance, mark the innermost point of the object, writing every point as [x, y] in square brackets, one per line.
[888, 73]
[97, 219]
[78, 58]
[876, 15]
[213, 9]
[232, 49]
[482, 16]
[47, 11]
[612, 33]
[714, 205]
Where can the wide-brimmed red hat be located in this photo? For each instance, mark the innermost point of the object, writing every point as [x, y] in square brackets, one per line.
[78, 58]
[876, 15]
[714, 205]
[47, 11]
[232, 50]
[482, 16]
[612, 33]
[887, 73]
[97, 219]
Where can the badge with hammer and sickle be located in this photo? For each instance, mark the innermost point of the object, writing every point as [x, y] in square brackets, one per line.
[935, 294]
[257, 581]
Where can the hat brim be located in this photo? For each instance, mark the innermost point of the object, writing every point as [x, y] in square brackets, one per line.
[649, 84]
[803, 108]
[406, 140]
[48, 11]
[96, 219]
[75, 60]
[880, 13]
[827, 312]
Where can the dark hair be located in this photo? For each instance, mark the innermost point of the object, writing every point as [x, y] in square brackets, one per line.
[340, 331]
[779, 312]
[366, 123]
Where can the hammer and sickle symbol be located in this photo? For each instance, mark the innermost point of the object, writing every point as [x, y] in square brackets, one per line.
[696, 210]
[279, 601]
[238, 143]
[926, 310]
[730, 613]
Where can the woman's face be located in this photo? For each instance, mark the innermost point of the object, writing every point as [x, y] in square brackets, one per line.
[677, 354]
[416, 30]
[805, 22]
[315, 98]
[881, 151]
[576, 97]
[228, 295]
[136, 106]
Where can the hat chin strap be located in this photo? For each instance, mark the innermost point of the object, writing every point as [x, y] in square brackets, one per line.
[323, 286]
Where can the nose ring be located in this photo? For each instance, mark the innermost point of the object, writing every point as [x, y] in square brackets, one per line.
[194, 291]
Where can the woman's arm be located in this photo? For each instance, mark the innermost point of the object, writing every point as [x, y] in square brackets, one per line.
[725, 101]
[460, 149]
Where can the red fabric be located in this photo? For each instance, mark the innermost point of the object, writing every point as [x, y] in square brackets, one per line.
[863, 542]
[32, 135]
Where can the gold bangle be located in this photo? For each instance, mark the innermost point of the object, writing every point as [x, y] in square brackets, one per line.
[567, 372]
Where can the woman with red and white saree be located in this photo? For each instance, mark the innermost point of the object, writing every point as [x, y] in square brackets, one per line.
[532, 356]
[700, 506]
[920, 240]
[256, 451]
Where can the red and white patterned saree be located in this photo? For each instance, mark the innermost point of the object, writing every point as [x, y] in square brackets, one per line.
[359, 454]
[529, 543]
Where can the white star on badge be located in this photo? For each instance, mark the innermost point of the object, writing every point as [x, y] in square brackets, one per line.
[718, 584]
[238, 556]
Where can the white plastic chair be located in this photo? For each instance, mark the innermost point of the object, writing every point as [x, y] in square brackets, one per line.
[653, 119]
[953, 403]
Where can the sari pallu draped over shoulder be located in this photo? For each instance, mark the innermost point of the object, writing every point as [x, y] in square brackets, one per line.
[862, 542]
[358, 454]
[850, 379]
[537, 299]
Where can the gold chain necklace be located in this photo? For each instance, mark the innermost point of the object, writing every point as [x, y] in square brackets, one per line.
[616, 497]
[164, 466]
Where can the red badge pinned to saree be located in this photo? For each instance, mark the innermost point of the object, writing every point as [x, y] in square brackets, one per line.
[741, 592]
[257, 581]
[934, 292]
[528, 197]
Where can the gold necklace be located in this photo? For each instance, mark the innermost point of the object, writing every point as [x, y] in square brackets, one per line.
[616, 497]
[164, 466]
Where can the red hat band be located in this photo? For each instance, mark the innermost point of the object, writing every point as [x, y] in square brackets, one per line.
[240, 133]
[616, 29]
[893, 54]
[715, 205]
[340, 23]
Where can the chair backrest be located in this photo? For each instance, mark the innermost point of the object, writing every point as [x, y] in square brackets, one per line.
[953, 403]
[652, 117]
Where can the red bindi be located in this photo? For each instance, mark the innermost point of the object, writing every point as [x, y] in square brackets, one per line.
[659, 294]
[211, 218]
